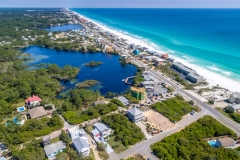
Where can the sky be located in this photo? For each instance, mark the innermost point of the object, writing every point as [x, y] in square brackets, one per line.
[123, 3]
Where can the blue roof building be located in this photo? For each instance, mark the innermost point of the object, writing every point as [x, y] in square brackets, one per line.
[136, 52]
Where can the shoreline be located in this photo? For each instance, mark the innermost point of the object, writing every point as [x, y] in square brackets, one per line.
[211, 77]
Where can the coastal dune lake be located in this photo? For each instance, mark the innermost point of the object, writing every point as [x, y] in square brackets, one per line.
[62, 28]
[110, 73]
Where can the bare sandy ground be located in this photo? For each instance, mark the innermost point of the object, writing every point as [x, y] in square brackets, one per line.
[158, 119]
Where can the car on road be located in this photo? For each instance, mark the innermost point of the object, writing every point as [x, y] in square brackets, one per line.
[192, 113]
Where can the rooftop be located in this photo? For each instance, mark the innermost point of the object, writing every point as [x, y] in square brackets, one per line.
[226, 141]
[33, 98]
[80, 143]
[137, 89]
[100, 126]
[195, 75]
[123, 100]
[54, 147]
[95, 132]
[37, 112]
[134, 111]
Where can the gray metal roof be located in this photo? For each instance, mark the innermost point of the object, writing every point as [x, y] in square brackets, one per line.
[95, 132]
[54, 147]
[123, 100]
[236, 95]
[195, 75]
[146, 77]
[80, 143]
[236, 106]
[134, 111]
[101, 127]
[147, 82]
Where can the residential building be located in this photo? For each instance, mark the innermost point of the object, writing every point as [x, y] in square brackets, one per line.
[235, 98]
[100, 102]
[136, 52]
[81, 146]
[95, 133]
[103, 129]
[236, 107]
[123, 100]
[138, 93]
[225, 142]
[76, 132]
[37, 112]
[159, 62]
[53, 149]
[147, 83]
[195, 78]
[182, 68]
[33, 101]
[135, 115]
[164, 56]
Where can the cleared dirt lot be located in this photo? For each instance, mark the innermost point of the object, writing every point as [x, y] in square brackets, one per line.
[158, 119]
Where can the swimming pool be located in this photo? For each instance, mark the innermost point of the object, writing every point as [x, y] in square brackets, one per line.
[20, 109]
[212, 143]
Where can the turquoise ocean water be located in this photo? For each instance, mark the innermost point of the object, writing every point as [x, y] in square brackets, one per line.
[209, 38]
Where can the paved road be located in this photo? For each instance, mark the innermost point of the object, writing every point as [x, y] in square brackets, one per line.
[145, 145]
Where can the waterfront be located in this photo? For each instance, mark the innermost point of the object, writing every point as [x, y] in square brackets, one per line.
[63, 28]
[195, 44]
[110, 73]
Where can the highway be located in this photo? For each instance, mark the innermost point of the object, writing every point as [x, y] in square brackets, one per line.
[143, 147]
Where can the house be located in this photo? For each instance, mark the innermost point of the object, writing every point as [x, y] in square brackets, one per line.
[100, 102]
[76, 132]
[138, 93]
[33, 101]
[195, 78]
[136, 52]
[53, 149]
[235, 98]
[81, 146]
[135, 115]
[225, 142]
[159, 62]
[164, 56]
[103, 129]
[37, 112]
[95, 133]
[123, 100]
[147, 77]
[236, 107]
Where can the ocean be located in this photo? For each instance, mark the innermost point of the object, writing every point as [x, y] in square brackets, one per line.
[206, 39]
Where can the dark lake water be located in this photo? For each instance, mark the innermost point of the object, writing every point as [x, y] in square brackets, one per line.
[62, 28]
[110, 73]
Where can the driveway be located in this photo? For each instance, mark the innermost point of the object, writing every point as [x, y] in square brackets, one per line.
[143, 128]
[94, 148]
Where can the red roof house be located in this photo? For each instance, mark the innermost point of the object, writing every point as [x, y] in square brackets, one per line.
[164, 56]
[33, 100]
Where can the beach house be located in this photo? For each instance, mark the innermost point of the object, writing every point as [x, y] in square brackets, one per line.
[225, 142]
[195, 78]
[53, 149]
[81, 146]
[135, 115]
[76, 132]
[33, 101]
[37, 112]
[103, 130]
[235, 98]
[123, 100]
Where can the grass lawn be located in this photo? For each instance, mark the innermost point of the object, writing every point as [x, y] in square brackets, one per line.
[91, 154]
[118, 147]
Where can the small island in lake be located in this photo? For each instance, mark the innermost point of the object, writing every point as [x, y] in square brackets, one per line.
[86, 84]
[93, 63]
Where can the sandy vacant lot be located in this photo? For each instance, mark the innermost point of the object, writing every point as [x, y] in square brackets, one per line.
[158, 119]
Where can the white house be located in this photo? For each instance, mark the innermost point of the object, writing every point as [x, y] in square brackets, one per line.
[76, 132]
[34, 100]
[81, 146]
[103, 129]
[135, 115]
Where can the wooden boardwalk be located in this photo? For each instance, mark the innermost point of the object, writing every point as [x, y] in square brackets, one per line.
[126, 80]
